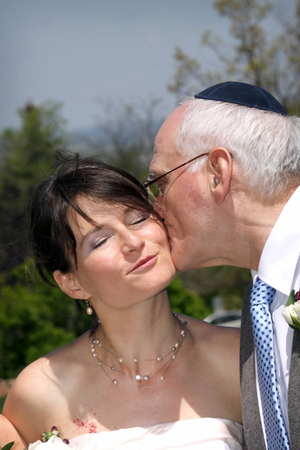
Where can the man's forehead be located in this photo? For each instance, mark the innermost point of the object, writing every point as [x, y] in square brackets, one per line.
[167, 134]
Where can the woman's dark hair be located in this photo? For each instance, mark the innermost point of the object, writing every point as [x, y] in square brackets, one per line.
[51, 241]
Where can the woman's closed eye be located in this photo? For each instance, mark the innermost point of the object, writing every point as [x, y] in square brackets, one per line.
[138, 219]
[100, 243]
[134, 219]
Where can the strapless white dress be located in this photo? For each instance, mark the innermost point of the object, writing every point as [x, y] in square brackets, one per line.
[202, 434]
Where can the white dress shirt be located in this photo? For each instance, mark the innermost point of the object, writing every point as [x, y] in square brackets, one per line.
[279, 267]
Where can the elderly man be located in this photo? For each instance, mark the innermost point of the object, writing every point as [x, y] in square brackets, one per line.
[225, 173]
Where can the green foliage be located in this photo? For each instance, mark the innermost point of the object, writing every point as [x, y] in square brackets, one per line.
[254, 57]
[186, 302]
[2, 400]
[26, 156]
[34, 320]
[228, 282]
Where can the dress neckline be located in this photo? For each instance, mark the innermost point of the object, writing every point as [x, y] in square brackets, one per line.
[168, 425]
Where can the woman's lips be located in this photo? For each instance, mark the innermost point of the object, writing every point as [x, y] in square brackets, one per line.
[145, 263]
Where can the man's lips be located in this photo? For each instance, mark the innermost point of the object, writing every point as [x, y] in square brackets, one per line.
[145, 262]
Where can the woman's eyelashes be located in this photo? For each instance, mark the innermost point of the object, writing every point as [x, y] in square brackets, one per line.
[135, 220]
[137, 217]
[140, 220]
[99, 243]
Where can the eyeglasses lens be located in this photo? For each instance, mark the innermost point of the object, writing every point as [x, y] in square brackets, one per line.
[153, 190]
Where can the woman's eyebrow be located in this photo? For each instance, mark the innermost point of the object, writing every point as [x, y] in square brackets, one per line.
[99, 226]
[128, 210]
[91, 232]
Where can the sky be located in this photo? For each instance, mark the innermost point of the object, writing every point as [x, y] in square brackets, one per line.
[77, 51]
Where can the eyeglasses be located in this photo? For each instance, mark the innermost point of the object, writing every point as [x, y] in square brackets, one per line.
[155, 189]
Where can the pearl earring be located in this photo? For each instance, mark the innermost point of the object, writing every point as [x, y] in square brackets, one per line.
[89, 309]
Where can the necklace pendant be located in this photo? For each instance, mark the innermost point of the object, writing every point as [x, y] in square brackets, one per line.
[159, 358]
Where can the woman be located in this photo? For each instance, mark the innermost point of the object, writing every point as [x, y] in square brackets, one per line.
[143, 378]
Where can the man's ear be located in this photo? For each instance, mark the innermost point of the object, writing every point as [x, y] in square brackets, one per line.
[70, 285]
[219, 169]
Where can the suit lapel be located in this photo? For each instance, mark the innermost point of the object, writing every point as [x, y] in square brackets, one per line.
[253, 433]
[294, 393]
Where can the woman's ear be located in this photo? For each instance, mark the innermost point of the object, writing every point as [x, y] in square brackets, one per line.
[219, 169]
[70, 285]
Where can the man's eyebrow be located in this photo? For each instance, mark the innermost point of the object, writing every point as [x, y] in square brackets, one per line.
[151, 176]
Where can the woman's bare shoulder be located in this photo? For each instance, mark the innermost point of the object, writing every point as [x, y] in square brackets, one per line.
[27, 402]
[41, 374]
[38, 392]
[217, 349]
[209, 334]
[218, 346]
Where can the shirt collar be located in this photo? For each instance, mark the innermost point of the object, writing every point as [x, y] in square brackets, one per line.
[281, 252]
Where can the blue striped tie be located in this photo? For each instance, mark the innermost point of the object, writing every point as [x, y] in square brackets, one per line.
[262, 296]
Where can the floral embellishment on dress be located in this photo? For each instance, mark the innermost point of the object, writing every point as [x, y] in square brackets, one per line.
[48, 434]
[291, 312]
[53, 441]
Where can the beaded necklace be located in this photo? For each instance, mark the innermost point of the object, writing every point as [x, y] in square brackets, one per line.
[95, 343]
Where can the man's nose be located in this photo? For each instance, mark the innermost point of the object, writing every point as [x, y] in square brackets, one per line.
[158, 209]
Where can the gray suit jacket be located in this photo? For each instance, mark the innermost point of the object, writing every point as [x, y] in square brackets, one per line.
[253, 434]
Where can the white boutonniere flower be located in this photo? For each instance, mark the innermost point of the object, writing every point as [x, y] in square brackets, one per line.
[291, 312]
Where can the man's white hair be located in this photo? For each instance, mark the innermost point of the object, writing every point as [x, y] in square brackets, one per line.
[266, 145]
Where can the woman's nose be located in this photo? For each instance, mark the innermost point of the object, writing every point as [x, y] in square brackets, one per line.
[132, 242]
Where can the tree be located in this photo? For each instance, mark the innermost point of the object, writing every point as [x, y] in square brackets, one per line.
[126, 132]
[228, 282]
[271, 63]
[186, 302]
[26, 156]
